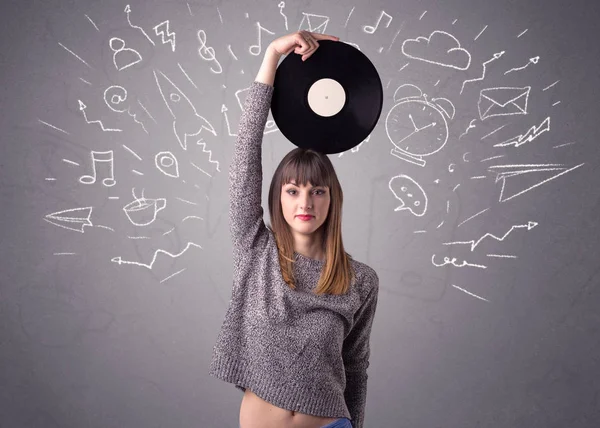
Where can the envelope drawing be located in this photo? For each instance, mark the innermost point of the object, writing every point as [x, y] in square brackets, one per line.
[502, 101]
[314, 23]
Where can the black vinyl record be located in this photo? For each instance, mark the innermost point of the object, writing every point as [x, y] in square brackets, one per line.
[331, 102]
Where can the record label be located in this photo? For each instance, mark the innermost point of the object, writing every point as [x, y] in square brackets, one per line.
[326, 97]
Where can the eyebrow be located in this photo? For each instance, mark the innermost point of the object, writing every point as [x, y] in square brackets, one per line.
[312, 187]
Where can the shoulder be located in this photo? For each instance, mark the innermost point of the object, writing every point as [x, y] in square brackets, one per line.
[366, 277]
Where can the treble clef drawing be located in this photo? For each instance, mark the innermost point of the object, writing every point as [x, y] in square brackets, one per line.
[207, 53]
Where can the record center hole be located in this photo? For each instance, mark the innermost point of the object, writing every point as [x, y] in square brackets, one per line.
[326, 97]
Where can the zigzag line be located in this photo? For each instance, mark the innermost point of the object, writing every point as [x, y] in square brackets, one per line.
[134, 115]
[161, 33]
[209, 154]
[119, 260]
[102, 125]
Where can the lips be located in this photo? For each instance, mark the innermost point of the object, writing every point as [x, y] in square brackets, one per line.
[304, 217]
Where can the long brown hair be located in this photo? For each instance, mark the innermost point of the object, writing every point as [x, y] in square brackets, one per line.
[303, 166]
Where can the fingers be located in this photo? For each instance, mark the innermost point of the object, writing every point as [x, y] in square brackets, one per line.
[313, 47]
[306, 42]
[320, 36]
[311, 42]
[302, 40]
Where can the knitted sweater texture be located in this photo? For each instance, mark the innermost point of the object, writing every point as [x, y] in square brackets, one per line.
[294, 349]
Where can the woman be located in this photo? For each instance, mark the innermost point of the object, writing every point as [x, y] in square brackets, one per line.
[296, 333]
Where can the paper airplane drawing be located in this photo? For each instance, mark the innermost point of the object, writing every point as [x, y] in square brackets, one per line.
[529, 176]
[74, 219]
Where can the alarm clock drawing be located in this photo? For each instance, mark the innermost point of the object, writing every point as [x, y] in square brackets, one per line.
[417, 126]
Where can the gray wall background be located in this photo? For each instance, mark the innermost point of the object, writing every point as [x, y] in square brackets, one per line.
[88, 342]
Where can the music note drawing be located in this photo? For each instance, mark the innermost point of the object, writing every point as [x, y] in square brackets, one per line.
[104, 161]
[370, 29]
[256, 49]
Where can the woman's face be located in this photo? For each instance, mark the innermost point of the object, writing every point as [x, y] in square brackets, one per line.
[296, 200]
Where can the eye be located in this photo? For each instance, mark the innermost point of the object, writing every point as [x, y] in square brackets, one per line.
[318, 190]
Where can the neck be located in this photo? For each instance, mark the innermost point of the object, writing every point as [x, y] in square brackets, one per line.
[310, 248]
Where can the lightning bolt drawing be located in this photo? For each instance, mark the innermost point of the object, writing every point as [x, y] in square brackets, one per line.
[530, 225]
[203, 144]
[168, 37]
[530, 135]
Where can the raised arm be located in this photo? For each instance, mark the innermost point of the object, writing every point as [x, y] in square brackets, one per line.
[266, 72]
[246, 222]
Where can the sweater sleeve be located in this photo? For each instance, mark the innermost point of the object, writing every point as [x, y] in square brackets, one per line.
[356, 352]
[246, 222]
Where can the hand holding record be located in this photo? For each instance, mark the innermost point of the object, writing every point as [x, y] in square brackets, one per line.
[301, 42]
[332, 102]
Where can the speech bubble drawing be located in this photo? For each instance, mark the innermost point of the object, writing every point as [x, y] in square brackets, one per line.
[410, 194]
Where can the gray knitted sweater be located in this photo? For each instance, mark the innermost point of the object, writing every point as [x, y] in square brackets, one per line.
[294, 349]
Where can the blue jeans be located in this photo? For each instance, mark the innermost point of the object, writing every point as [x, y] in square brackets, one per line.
[339, 423]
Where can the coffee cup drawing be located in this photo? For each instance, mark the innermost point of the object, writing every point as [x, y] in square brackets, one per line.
[142, 211]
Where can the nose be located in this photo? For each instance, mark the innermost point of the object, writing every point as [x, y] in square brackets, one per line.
[307, 201]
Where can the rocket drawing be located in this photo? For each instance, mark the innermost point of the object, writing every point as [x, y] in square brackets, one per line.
[186, 120]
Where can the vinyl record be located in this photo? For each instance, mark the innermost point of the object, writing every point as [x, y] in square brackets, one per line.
[331, 102]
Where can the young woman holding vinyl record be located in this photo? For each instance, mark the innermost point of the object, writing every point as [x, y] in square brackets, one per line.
[296, 334]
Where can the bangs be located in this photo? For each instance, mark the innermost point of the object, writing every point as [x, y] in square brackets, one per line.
[303, 169]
